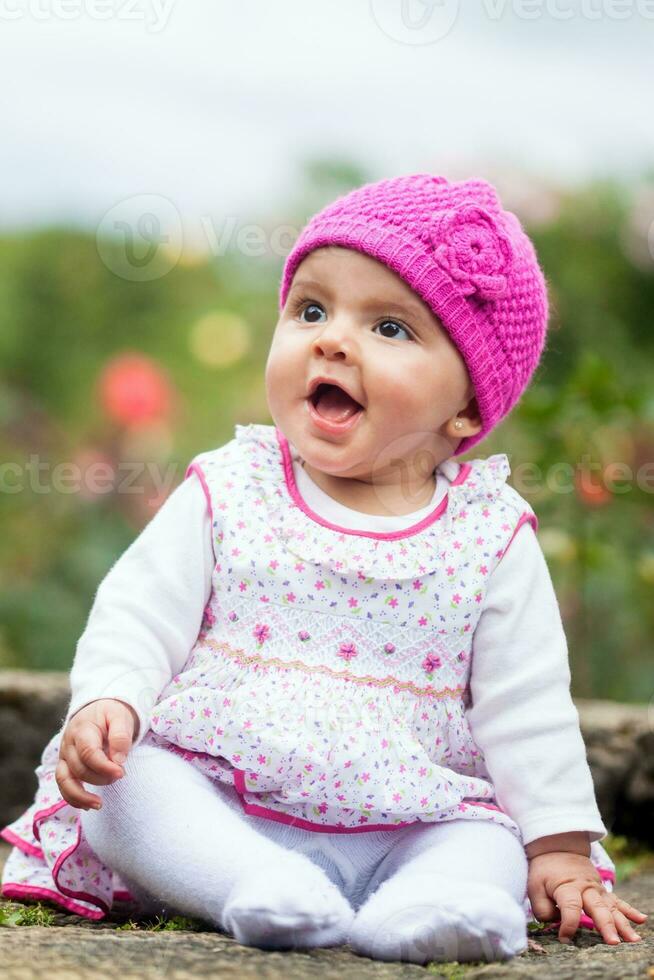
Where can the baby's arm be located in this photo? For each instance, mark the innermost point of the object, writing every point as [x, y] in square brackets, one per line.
[525, 722]
[144, 620]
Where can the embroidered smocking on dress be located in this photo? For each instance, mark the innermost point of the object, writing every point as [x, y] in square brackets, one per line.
[329, 681]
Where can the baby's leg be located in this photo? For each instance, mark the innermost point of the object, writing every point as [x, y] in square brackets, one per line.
[449, 891]
[165, 827]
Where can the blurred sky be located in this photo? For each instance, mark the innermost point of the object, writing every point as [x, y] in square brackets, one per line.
[215, 104]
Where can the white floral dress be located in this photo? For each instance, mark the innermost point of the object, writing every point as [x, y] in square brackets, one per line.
[329, 681]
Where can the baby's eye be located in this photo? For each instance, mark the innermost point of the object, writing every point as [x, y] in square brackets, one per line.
[310, 306]
[395, 324]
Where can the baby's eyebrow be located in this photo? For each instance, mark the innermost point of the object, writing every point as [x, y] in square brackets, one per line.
[400, 306]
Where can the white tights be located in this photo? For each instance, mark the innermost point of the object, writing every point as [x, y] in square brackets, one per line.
[182, 843]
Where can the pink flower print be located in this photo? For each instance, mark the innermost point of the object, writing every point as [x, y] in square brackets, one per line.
[391, 601]
[347, 651]
[474, 249]
[247, 723]
[479, 540]
[264, 598]
[290, 597]
[397, 797]
[422, 621]
[320, 584]
[417, 584]
[303, 635]
[431, 663]
[352, 602]
[384, 743]
[261, 632]
[422, 771]
[232, 617]
[449, 570]
[424, 801]
[235, 552]
[346, 765]
[322, 807]
[299, 567]
[206, 712]
[365, 776]
[226, 702]
[456, 598]
[456, 544]
[478, 596]
[242, 586]
[462, 807]
[389, 648]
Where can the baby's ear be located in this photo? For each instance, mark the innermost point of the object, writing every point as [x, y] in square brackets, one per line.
[471, 412]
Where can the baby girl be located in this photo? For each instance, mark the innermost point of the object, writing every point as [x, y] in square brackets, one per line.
[324, 696]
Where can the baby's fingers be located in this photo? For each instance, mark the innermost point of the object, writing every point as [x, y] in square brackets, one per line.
[72, 790]
[630, 911]
[568, 899]
[624, 927]
[597, 905]
[88, 746]
[86, 775]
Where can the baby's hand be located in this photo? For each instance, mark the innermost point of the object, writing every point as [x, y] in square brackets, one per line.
[573, 883]
[82, 755]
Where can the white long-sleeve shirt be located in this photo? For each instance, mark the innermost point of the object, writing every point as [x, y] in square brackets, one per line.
[148, 609]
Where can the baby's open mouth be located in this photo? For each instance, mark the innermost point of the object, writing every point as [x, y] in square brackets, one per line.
[332, 403]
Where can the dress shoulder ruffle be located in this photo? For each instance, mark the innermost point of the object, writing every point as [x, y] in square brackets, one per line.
[393, 556]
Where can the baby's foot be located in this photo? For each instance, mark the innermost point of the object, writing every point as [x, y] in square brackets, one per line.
[289, 905]
[430, 918]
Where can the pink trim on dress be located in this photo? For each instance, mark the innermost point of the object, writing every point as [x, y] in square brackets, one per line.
[23, 845]
[67, 896]
[291, 486]
[42, 815]
[257, 810]
[525, 518]
[194, 468]
[13, 890]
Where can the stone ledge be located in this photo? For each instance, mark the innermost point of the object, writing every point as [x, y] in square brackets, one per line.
[76, 949]
[619, 740]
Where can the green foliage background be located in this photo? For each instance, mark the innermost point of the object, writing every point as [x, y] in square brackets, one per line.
[64, 315]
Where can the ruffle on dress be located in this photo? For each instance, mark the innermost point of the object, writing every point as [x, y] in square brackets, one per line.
[319, 740]
[51, 860]
[395, 556]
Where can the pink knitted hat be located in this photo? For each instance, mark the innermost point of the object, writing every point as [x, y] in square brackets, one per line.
[469, 260]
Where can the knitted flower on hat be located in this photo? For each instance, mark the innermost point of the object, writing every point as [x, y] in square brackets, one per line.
[473, 248]
[469, 260]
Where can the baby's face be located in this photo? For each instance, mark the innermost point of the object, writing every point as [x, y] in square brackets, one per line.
[351, 318]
